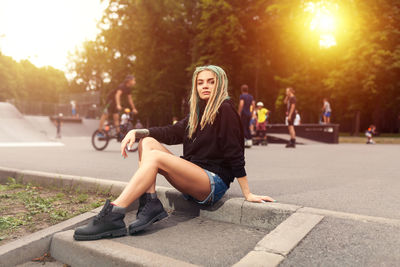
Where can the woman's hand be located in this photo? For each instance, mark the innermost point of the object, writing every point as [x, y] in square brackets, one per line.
[128, 142]
[258, 199]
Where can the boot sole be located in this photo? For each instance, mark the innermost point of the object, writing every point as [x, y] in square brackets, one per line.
[144, 226]
[113, 233]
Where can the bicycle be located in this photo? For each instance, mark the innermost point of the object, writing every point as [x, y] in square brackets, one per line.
[100, 139]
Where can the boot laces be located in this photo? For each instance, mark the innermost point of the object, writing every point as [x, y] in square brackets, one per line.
[104, 211]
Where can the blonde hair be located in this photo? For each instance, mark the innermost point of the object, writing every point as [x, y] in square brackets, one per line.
[218, 95]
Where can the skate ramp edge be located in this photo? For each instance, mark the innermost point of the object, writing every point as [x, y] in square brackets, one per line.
[68, 129]
[15, 128]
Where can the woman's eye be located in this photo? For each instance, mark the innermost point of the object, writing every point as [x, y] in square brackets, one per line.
[212, 82]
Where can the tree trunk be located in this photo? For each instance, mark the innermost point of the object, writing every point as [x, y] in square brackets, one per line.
[356, 129]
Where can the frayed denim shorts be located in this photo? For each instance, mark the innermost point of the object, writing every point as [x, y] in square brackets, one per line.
[218, 189]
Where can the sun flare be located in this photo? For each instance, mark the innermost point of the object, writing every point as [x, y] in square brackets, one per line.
[45, 31]
[323, 21]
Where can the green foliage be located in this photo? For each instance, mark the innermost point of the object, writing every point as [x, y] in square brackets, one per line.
[12, 183]
[263, 43]
[60, 214]
[34, 207]
[82, 198]
[24, 81]
[11, 222]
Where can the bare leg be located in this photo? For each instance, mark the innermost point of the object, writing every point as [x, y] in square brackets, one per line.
[147, 145]
[103, 119]
[292, 132]
[182, 174]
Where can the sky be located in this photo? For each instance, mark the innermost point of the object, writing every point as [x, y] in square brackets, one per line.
[45, 31]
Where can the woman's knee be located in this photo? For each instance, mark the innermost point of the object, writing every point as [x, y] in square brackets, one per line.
[147, 142]
[153, 157]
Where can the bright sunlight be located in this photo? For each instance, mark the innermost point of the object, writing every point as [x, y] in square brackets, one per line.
[323, 21]
[45, 31]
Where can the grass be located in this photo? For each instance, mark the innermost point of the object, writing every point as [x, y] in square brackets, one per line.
[26, 208]
[361, 139]
[362, 134]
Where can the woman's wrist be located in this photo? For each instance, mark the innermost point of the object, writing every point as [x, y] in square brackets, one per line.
[244, 186]
[246, 193]
[141, 133]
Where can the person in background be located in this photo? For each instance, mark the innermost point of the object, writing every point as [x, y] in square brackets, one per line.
[369, 133]
[326, 111]
[113, 105]
[125, 120]
[290, 101]
[253, 123]
[297, 119]
[58, 123]
[73, 108]
[261, 126]
[246, 106]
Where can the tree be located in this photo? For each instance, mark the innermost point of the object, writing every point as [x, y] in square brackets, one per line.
[266, 44]
[24, 81]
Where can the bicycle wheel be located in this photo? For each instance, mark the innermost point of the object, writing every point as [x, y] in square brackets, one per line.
[134, 148]
[100, 140]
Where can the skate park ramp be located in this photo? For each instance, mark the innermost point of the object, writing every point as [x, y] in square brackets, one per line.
[19, 130]
[15, 128]
[285, 138]
[68, 129]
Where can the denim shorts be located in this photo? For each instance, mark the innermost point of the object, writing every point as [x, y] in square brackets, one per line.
[218, 189]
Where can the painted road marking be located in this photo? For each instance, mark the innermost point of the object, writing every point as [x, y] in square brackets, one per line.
[31, 144]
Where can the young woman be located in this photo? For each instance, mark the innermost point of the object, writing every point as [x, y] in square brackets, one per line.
[213, 155]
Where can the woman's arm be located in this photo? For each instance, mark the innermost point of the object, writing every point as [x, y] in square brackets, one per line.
[244, 185]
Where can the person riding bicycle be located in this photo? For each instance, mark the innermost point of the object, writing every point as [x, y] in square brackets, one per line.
[113, 105]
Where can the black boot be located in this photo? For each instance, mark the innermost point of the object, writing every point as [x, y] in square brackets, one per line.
[291, 144]
[150, 211]
[108, 223]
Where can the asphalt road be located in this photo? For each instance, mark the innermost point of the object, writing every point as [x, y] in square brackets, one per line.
[360, 179]
[355, 178]
[337, 242]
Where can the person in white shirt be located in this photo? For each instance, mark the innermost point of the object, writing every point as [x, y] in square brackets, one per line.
[326, 110]
[297, 118]
[125, 120]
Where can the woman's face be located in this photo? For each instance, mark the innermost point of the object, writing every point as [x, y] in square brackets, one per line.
[206, 82]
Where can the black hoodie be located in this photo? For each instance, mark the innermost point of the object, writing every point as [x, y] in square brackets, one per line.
[218, 148]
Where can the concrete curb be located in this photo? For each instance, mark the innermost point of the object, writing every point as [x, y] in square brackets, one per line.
[105, 253]
[276, 245]
[38, 243]
[233, 210]
[62, 180]
[350, 216]
[295, 222]
[288, 234]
